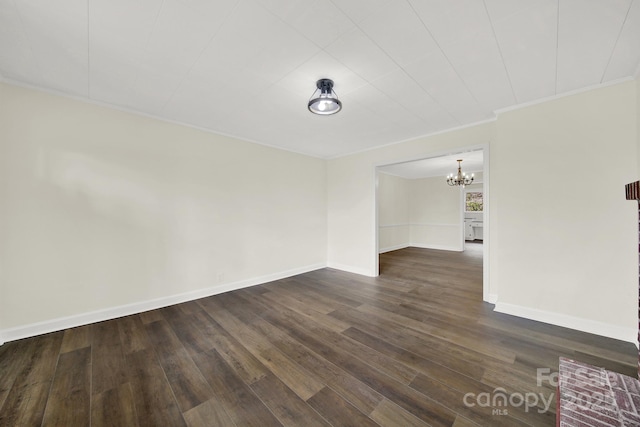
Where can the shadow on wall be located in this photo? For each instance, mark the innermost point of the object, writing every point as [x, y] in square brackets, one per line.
[126, 224]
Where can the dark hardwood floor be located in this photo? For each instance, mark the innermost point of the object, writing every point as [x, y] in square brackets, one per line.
[413, 347]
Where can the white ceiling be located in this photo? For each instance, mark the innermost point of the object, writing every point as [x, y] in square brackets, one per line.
[472, 162]
[246, 68]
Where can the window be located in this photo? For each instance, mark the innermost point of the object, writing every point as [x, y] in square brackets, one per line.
[473, 201]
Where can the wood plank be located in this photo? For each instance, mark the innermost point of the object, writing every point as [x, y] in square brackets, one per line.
[414, 402]
[24, 406]
[239, 402]
[446, 333]
[388, 413]
[152, 395]
[338, 411]
[301, 286]
[245, 364]
[360, 395]
[285, 404]
[428, 367]
[287, 319]
[315, 316]
[164, 340]
[314, 286]
[76, 338]
[194, 338]
[301, 381]
[70, 396]
[40, 361]
[457, 358]
[188, 307]
[518, 379]
[13, 358]
[114, 407]
[32, 369]
[133, 335]
[471, 409]
[109, 368]
[210, 413]
[189, 387]
[150, 316]
[303, 301]
[231, 302]
[463, 422]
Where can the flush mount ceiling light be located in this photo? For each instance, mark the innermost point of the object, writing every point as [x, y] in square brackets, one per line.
[324, 100]
[460, 178]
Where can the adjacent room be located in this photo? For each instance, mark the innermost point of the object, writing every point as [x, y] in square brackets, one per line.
[268, 212]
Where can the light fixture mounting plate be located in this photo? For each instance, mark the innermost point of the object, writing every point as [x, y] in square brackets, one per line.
[325, 85]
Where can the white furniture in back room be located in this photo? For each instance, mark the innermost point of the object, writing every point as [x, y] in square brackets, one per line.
[473, 229]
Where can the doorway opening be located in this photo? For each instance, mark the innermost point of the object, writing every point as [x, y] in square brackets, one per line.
[415, 207]
[473, 209]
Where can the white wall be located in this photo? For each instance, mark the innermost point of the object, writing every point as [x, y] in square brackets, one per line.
[563, 250]
[436, 214]
[393, 212]
[637, 81]
[104, 212]
[566, 248]
[423, 213]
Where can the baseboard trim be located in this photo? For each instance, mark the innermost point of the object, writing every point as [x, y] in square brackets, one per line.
[438, 247]
[491, 298]
[392, 248]
[350, 269]
[62, 323]
[571, 322]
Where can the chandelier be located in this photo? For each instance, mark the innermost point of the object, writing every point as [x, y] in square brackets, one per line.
[460, 178]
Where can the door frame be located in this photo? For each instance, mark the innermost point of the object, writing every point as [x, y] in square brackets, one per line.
[488, 294]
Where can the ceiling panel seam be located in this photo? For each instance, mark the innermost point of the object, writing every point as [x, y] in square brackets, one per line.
[464, 83]
[504, 65]
[606, 68]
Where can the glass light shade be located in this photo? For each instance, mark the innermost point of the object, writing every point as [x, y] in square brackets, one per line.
[324, 100]
[325, 105]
